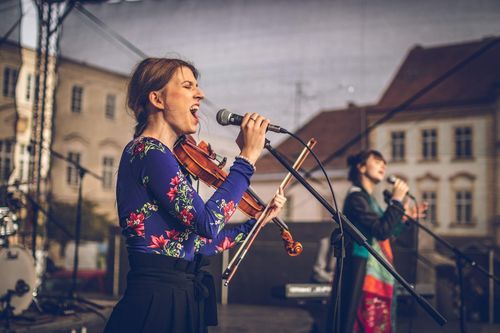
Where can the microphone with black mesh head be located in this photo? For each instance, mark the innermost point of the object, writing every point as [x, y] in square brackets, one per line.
[392, 180]
[225, 117]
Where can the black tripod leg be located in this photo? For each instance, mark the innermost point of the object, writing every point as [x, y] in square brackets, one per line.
[86, 301]
[462, 298]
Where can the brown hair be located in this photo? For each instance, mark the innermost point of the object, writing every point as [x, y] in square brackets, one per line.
[359, 159]
[151, 74]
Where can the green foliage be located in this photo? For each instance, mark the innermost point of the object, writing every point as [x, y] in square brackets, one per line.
[94, 226]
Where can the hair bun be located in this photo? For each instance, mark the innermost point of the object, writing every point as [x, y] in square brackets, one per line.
[353, 160]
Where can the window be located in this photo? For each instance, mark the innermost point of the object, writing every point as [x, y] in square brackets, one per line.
[398, 146]
[107, 172]
[463, 142]
[110, 106]
[76, 99]
[429, 144]
[5, 159]
[29, 79]
[430, 198]
[9, 82]
[463, 207]
[72, 176]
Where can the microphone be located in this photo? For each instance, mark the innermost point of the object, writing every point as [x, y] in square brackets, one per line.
[392, 180]
[387, 196]
[225, 117]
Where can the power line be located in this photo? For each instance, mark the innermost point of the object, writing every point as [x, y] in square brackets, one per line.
[11, 30]
[110, 31]
[6, 8]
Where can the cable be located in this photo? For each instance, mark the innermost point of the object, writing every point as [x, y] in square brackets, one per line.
[340, 260]
[110, 31]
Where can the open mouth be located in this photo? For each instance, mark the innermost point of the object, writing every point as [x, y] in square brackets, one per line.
[194, 109]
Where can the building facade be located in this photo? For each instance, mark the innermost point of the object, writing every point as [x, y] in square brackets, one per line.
[86, 120]
[446, 157]
[91, 127]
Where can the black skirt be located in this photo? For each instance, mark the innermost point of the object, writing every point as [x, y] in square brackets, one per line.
[165, 294]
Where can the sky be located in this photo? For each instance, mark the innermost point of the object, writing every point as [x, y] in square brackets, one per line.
[288, 59]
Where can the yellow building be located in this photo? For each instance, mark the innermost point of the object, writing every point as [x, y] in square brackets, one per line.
[91, 127]
[89, 124]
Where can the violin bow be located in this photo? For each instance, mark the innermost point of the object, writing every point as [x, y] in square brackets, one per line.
[247, 243]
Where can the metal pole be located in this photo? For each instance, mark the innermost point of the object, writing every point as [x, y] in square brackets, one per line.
[491, 289]
[34, 175]
[77, 234]
[462, 296]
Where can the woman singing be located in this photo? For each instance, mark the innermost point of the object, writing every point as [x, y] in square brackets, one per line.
[168, 228]
[367, 288]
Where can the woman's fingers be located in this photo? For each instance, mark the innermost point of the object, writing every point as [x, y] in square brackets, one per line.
[252, 138]
[279, 198]
[276, 205]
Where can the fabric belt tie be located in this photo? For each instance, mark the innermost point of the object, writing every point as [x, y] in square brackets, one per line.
[204, 288]
[158, 269]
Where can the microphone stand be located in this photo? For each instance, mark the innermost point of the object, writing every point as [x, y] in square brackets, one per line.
[82, 171]
[358, 237]
[460, 260]
[44, 212]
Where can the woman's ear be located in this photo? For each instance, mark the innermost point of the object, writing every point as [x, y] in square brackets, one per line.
[361, 168]
[156, 100]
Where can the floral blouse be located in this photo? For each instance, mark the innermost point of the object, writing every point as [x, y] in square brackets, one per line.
[161, 213]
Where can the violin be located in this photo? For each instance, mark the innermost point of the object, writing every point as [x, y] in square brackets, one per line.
[204, 164]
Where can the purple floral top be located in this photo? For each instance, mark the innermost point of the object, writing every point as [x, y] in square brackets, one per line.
[161, 213]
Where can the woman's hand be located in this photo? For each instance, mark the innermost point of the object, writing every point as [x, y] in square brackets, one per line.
[275, 207]
[252, 136]
[399, 190]
[412, 211]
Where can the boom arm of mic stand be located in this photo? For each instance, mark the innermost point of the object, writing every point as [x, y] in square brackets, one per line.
[359, 238]
[44, 212]
[459, 254]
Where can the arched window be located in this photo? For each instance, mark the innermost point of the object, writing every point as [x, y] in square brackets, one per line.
[109, 163]
[76, 146]
[462, 189]
[428, 186]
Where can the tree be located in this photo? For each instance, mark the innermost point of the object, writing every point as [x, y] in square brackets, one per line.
[94, 225]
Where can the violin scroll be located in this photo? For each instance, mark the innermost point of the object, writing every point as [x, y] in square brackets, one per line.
[292, 247]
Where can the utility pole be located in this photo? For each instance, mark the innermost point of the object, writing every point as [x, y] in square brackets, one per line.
[298, 104]
[300, 96]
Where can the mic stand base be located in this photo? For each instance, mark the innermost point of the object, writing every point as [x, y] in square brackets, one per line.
[8, 312]
[337, 241]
